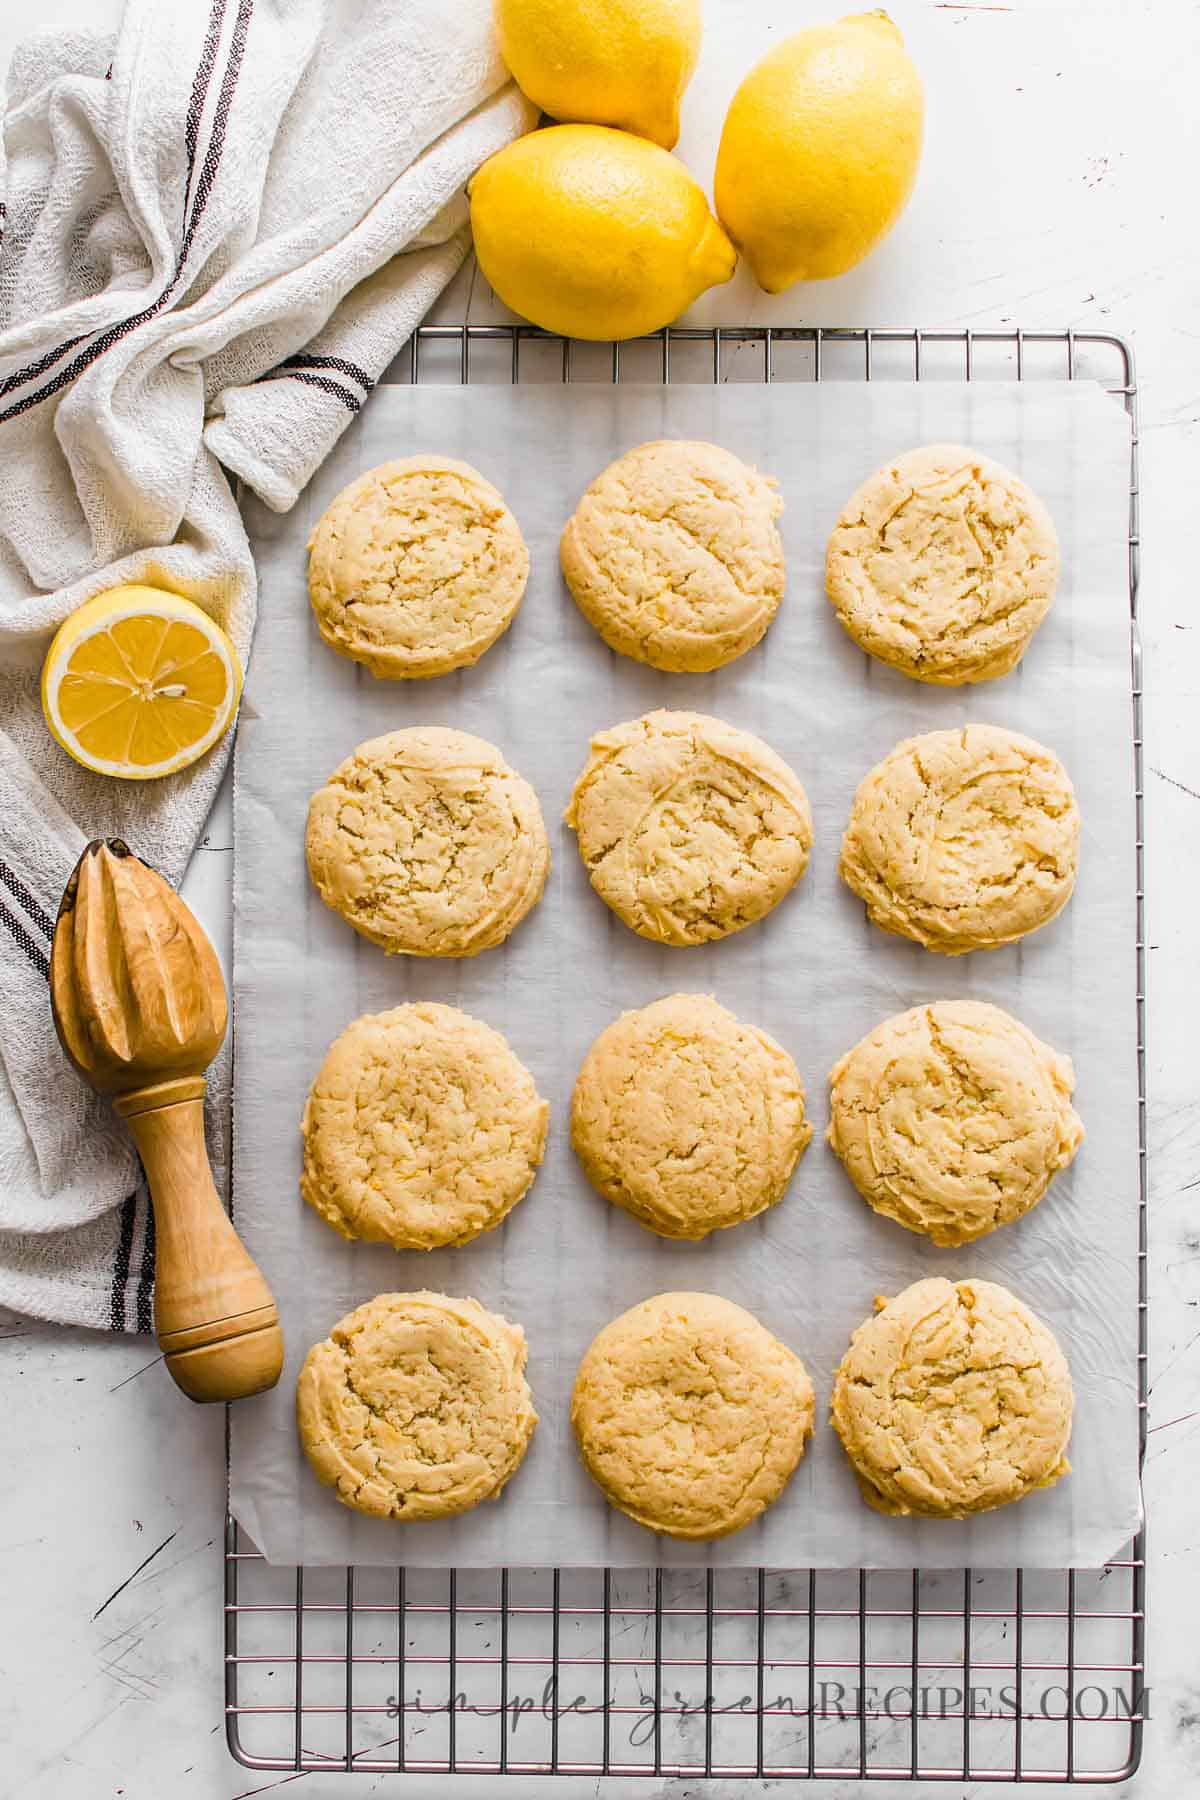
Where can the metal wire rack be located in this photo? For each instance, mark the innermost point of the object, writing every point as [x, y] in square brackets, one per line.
[972, 1675]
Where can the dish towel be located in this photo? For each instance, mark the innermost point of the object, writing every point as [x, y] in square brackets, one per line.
[219, 228]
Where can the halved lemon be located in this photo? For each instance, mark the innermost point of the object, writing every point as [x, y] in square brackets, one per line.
[139, 682]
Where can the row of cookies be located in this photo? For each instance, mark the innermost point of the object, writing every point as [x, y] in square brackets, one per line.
[428, 843]
[688, 1413]
[942, 564]
[422, 1128]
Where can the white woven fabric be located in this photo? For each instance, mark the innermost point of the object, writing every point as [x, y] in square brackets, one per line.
[220, 228]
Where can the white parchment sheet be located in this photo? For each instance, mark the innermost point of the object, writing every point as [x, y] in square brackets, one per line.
[813, 973]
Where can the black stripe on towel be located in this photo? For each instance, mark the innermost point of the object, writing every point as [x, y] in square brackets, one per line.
[121, 1264]
[145, 1293]
[303, 360]
[40, 366]
[204, 187]
[350, 401]
[26, 900]
[200, 85]
[216, 143]
[33, 950]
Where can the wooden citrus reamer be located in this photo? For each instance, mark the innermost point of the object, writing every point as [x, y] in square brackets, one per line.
[139, 1006]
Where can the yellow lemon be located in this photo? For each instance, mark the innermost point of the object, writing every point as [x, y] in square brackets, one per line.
[594, 233]
[604, 62]
[139, 682]
[820, 150]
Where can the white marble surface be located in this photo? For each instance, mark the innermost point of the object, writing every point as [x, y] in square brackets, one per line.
[1058, 188]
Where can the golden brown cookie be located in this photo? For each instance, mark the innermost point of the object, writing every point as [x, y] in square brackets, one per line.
[426, 842]
[689, 828]
[416, 1406]
[673, 555]
[416, 568]
[943, 564]
[954, 1398]
[421, 1129]
[687, 1118]
[963, 840]
[953, 1119]
[690, 1416]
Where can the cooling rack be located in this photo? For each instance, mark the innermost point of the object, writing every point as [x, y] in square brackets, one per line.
[970, 1675]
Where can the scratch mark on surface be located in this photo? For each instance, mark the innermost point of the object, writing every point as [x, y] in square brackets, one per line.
[1181, 1420]
[136, 1572]
[1182, 786]
[142, 1687]
[170, 1568]
[1178, 1357]
[154, 1360]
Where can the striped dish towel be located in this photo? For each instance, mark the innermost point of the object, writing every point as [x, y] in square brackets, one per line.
[219, 229]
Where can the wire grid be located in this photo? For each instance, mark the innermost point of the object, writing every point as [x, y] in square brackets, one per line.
[968, 1675]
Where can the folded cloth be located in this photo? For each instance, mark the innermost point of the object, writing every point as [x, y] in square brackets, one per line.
[220, 227]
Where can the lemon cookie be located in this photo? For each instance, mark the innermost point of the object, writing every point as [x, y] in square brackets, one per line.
[688, 828]
[954, 1398]
[426, 842]
[690, 1416]
[416, 568]
[687, 1118]
[953, 1119]
[943, 564]
[673, 555]
[421, 1129]
[963, 840]
[416, 1406]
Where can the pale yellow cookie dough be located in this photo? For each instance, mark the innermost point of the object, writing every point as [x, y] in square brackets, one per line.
[954, 1398]
[426, 842]
[689, 828]
[416, 568]
[953, 1118]
[690, 1416]
[943, 564]
[421, 1129]
[416, 1406]
[673, 555]
[963, 840]
[687, 1118]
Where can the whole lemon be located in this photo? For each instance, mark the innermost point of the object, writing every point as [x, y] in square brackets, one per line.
[594, 233]
[604, 62]
[820, 150]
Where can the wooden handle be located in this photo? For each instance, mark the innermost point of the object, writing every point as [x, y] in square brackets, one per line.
[214, 1314]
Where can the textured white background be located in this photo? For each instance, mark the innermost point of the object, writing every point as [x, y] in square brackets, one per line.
[1057, 188]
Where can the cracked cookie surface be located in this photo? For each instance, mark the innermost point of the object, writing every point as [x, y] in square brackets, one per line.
[963, 840]
[427, 843]
[943, 564]
[687, 1118]
[953, 1118]
[953, 1399]
[416, 1406]
[416, 568]
[690, 1416]
[689, 829]
[421, 1129]
[673, 555]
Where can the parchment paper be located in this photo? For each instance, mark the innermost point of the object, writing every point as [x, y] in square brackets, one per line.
[813, 973]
